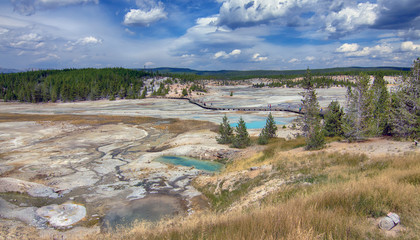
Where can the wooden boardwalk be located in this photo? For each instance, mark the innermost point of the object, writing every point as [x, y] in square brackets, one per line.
[245, 109]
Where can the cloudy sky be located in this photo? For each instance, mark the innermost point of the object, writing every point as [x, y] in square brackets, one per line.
[208, 35]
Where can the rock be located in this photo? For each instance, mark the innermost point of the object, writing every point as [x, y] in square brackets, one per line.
[390, 221]
[33, 189]
[63, 215]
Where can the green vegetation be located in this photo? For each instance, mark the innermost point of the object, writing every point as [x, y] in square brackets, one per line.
[333, 120]
[406, 105]
[71, 85]
[310, 121]
[359, 112]
[241, 138]
[225, 132]
[269, 130]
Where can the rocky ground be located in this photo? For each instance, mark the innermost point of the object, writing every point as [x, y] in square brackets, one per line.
[59, 175]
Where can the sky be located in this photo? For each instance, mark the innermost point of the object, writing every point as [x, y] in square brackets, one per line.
[208, 35]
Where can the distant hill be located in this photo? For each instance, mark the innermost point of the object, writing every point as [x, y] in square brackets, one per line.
[9, 70]
[233, 74]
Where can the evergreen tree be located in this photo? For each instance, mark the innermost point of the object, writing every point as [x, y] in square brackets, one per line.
[270, 126]
[241, 139]
[333, 120]
[380, 107]
[406, 105]
[225, 132]
[310, 121]
[263, 137]
[359, 113]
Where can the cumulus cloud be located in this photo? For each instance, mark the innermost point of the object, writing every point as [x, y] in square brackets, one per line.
[352, 50]
[348, 47]
[90, 40]
[338, 18]
[223, 54]
[148, 13]
[410, 47]
[243, 13]
[29, 7]
[310, 58]
[350, 19]
[258, 58]
[27, 41]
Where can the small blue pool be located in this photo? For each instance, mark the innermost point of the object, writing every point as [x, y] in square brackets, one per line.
[191, 162]
[260, 124]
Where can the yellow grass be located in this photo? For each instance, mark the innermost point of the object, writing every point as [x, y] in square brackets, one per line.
[345, 205]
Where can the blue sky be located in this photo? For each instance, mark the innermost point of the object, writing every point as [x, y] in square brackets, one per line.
[208, 35]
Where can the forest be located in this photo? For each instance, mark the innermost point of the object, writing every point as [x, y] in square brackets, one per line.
[109, 83]
[71, 84]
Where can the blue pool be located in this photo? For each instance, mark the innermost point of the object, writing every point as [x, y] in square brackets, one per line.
[260, 124]
[191, 162]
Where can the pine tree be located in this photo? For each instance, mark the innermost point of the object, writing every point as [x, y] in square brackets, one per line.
[225, 131]
[270, 126]
[333, 120]
[359, 113]
[310, 121]
[406, 105]
[380, 104]
[241, 139]
[263, 137]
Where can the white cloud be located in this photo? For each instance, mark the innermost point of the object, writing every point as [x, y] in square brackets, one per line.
[188, 55]
[148, 13]
[351, 18]
[27, 41]
[258, 58]
[223, 54]
[89, 40]
[351, 50]
[348, 47]
[240, 13]
[310, 58]
[410, 47]
[29, 7]
[235, 52]
[293, 60]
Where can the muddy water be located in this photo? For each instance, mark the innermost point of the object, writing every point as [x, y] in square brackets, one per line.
[152, 208]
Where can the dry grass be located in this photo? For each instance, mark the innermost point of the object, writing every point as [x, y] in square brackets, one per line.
[355, 191]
